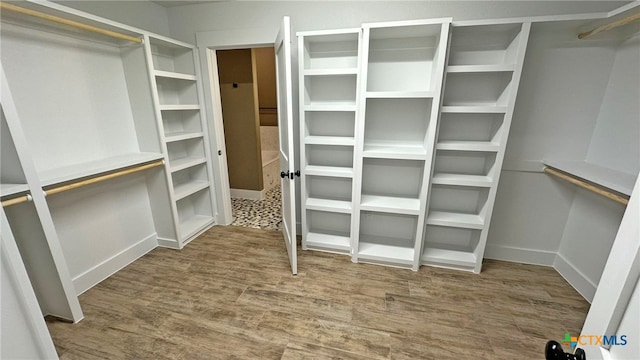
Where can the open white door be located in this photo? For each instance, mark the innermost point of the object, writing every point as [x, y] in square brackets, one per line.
[285, 126]
[612, 328]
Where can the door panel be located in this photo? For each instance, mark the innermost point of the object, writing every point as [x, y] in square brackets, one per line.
[285, 128]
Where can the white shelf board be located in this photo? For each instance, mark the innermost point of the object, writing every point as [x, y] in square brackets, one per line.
[183, 190]
[451, 219]
[330, 107]
[468, 146]
[182, 135]
[451, 257]
[385, 253]
[329, 205]
[329, 72]
[481, 68]
[462, 180]
[400, 94]
[474, 109]
[179, 107]
[12, 189]
[394, 151]
[191, 226]
[174, 75]
[328, 241]
[329, 140]
[185, 162]
[329, 171]
[396, 205]
[612, 179]
[95, 167]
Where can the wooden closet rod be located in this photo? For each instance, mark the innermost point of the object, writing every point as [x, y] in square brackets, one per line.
[101, 178]
[609, 26]
[14, 8]
[18, 200]
[588, 186]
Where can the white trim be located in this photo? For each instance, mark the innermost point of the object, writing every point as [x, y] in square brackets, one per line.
[247, 194]
[520, 255]
[575, 277]
[110, 266]
[11, 261]
[168, 243]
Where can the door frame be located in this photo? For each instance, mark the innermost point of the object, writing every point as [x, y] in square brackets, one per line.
[208, 43]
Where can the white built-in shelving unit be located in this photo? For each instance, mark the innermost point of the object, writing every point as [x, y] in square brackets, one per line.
[178, 97]
[329, 73]
[369, 103]
[111, 128]
[482, 77]
[402, 71]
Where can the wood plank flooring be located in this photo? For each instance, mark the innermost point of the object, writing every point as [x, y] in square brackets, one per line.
[229, 295]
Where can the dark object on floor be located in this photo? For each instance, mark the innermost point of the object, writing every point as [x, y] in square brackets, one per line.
[553, 351]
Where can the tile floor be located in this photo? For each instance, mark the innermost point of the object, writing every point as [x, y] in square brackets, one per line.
[259, 214]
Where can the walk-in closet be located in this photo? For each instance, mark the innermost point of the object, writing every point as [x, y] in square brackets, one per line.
[444, 169]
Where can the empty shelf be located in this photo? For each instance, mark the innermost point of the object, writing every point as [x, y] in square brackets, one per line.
[182, 135]
[329, 205]
[183, 190]
[328, 241]
[462, 180]
[480, 68]
[329, 140]
[330, 107]
[179, 107]
[475, 109]
[396, 205]
[174, 75]
[185, 162]
[449, 257]
[336, 71]
[385, 253]
[394, 151]
[95, 167]
[191, 226]
[11, 189]
[399, 94]
[612, 179]
[468, 146]
[329, 171]
[451, 219]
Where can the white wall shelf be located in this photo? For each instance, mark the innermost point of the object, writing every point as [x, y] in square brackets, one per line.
[174, 75]
[185, 163]
[330, 72]
[182, 135]
[328, 242]
[390, 204]
[329, 205]
[95, 167]
[13, 189]
[329, 140]
[453, 219]
[474, 109]
[482, 78]
[165, 107]
[385, 254]
[597, 174]
[467, 145]
[329, 171]
[400, 94]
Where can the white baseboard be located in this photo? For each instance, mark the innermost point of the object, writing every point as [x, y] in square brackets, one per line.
[575, 277]
[168, 243]
[96, 274]
[248, 194]
[520, 255]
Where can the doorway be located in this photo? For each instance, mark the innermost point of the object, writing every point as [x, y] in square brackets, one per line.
[247, 80]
